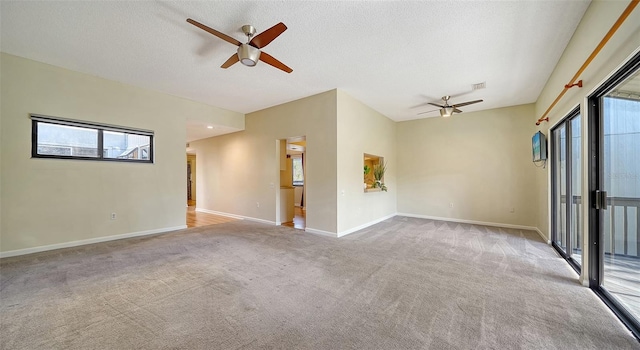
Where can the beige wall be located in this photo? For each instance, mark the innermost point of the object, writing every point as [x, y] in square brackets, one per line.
[363, 130]
[595, 24]
[597, 21]
[49, 201]
[238, 170]
[480, 162]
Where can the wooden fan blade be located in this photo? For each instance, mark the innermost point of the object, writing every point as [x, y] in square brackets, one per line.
[428, 111]
[231, 61]
[465, 103]
[434, 104]
[263, 39]
[418, 105]
[268, 59]
[222, 36]
[455, 110]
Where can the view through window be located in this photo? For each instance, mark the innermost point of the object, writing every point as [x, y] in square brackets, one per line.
[298, 171]
[621, 123]
[70, 139]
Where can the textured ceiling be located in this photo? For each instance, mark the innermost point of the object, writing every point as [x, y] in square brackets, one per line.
[390, 55]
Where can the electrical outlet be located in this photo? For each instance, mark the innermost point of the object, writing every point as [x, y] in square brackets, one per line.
[113, 216]
[450, 205]
[512, 210]
[257, 204]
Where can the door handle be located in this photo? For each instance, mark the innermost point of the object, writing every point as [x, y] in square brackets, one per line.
[600, 199]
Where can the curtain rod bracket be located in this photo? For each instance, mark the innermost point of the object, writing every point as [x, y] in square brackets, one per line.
[542, 120]
[578, 84]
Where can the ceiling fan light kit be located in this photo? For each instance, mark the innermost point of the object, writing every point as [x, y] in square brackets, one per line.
[249, 53]
[446, 112]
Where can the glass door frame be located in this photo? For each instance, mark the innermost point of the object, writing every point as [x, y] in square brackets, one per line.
[566, 122]
[596, 183]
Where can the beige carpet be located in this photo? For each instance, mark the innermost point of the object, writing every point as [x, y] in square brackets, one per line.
[402, 284]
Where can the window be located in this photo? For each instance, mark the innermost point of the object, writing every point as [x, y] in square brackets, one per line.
[298, 172]
[72, 139]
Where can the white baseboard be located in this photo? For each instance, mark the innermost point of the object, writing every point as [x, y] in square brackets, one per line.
[320, 232]
[202, 210]
[234, 216]
[494, 224]
[88, 241]
[544, 238]
[363, 226]
[474, 222]
[485, 223]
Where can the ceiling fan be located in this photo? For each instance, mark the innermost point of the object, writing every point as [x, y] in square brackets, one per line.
[249, 53]
[447, 110]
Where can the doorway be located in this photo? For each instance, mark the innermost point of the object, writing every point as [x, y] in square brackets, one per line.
[191, 180]
[293, 182]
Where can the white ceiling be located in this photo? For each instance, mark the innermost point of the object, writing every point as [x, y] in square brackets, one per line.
[390, 55]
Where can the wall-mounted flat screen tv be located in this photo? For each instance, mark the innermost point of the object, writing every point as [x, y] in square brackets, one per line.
[539, 146]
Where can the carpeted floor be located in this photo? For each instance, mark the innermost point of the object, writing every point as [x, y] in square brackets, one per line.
[402, 284]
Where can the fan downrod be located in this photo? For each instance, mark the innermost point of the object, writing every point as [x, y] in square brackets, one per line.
[249, 30]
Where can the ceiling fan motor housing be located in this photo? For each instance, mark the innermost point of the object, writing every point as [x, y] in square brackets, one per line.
[248, 55]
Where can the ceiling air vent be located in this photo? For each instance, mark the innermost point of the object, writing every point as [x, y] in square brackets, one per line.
[479, 86]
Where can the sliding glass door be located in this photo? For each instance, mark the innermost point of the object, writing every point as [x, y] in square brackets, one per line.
[615, 184]
[566, 188]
